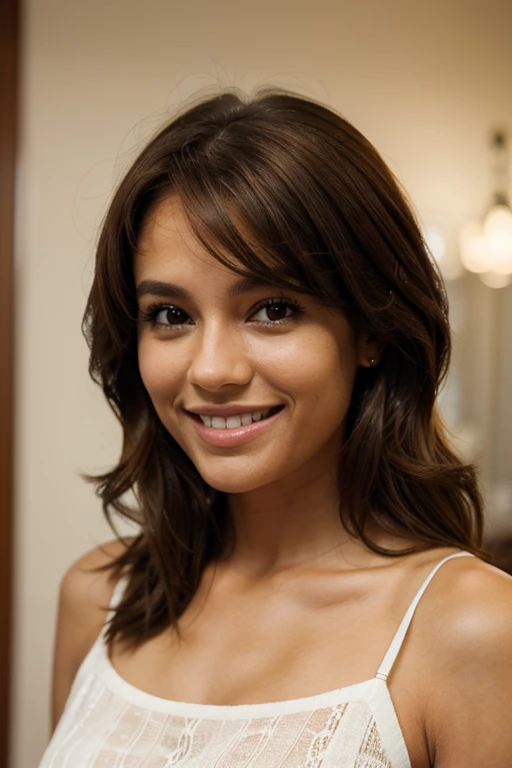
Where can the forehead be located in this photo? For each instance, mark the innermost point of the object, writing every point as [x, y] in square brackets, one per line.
[166, 232]
[167, 245]
[167, 249]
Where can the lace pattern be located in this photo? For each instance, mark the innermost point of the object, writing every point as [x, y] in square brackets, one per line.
[100, 729]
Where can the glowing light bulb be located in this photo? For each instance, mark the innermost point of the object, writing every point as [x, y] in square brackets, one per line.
[497, 231]
[495, 279]
[473, 248]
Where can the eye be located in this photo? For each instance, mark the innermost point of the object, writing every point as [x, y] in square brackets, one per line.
[277, 309]
[170, 316]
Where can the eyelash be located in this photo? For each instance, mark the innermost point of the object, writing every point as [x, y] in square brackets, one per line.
[152, 312]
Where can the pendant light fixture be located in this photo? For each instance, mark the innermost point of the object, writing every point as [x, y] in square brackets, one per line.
[486, 247]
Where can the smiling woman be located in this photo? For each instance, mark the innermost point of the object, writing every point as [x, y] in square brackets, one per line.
[226, 355]
[269, 328]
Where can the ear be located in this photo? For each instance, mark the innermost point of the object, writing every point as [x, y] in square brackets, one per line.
[369, 351]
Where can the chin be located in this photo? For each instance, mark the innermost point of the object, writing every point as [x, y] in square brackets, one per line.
[234, 482]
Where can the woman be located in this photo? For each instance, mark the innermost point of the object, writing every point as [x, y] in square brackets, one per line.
[269, 329]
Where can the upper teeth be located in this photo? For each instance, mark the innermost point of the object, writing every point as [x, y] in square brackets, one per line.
[231, 422]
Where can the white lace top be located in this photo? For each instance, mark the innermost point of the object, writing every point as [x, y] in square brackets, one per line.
[108, 723]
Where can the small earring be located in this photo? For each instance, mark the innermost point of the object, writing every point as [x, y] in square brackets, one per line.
[371, 361]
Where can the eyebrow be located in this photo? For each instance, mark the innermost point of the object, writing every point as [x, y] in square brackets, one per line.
[172, 291]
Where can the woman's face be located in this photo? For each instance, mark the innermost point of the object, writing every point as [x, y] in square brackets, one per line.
[207, 342]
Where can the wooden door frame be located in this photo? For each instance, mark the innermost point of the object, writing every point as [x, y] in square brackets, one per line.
[9, 69]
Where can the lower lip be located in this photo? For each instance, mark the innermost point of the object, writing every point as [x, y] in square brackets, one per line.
[235, 436]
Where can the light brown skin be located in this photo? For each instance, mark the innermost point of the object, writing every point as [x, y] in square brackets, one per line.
[318, 628]
[300, 607]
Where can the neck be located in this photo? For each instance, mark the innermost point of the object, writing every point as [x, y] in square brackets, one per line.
[288, 525]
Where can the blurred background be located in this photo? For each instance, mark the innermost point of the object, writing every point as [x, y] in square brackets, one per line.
[428, 82]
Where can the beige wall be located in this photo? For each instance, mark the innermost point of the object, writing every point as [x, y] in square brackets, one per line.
[425, 81]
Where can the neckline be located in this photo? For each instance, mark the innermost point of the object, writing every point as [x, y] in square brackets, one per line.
[362, 692]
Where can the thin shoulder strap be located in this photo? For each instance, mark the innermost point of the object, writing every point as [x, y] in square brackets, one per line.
[396, 643]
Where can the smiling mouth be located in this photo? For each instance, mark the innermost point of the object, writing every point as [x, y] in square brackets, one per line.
[235, 422]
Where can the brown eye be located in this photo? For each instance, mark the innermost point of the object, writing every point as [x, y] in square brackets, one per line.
[165, 316]
[276, 311]
[172, 316]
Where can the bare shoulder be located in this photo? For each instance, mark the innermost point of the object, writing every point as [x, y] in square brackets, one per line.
[472, 602]
[84, 589]
[466, 629]
[84, 596]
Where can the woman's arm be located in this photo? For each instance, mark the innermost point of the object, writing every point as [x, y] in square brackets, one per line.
[80, 619]
[469, 705]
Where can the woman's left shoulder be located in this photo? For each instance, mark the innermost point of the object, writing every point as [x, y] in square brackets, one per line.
[467, 629]
[477, 600]
[472, 601]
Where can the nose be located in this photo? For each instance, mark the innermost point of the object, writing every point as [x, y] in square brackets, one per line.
[218, 358]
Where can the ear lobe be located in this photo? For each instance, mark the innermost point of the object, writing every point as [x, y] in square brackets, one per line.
[369, 362]
[370, 352]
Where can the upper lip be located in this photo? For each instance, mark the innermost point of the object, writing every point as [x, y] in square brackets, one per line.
[228, 410]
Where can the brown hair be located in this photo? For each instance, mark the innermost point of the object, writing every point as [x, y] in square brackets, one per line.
[283, 187]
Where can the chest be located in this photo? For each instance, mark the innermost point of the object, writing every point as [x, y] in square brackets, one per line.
[241, 646]
[276, 642]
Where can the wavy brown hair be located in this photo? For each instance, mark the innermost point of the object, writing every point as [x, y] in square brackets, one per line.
[282, 187]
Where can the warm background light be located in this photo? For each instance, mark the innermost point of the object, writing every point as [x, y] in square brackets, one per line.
[498, 236]
[486, 248]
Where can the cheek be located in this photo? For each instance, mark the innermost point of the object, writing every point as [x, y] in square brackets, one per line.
[158, 374]
[332, 390]
[316, 369]
[320, 366]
